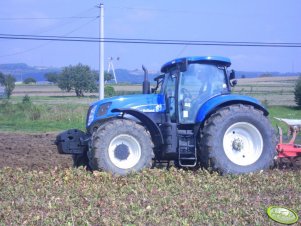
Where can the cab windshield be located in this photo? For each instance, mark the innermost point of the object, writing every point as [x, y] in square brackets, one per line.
[201, 79]
[198, 84]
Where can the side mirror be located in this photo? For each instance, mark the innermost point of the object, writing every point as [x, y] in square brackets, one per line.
[232, 75]
[232, 80]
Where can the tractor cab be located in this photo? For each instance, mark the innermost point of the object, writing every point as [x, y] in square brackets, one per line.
[188, 83]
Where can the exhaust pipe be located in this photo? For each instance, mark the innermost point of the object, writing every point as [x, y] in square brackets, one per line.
[146, 83]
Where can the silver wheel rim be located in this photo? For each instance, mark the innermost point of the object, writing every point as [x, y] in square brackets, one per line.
[133, 149]
[243, 143]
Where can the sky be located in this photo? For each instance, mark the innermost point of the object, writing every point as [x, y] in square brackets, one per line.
[202, 20]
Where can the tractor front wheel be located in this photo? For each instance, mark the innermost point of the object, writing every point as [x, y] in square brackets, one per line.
[81, 160]
[121, 146]
[238, 139]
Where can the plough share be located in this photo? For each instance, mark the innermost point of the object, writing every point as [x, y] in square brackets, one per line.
[289, 151]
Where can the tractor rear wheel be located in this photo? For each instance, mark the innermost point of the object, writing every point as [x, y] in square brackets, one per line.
[121, 146]
[237, 139]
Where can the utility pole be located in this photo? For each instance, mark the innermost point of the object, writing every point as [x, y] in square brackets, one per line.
[101, 52]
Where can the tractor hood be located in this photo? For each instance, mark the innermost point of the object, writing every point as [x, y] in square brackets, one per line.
[143, 102]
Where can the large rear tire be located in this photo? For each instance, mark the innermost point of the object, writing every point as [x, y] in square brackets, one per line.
[237, 139]
[121, 146]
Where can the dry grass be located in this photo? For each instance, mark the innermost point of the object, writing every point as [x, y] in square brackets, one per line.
[269, 90]
[53, 90]
[268, 80]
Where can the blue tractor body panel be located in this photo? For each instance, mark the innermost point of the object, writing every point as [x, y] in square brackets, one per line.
[226, 99]
[142, 102]
[147, 103]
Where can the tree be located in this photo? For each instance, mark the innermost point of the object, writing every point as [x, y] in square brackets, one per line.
[108, 76]
[297, 92]
[29, 80]
[1, 78]
[52, 77]
[8, 81]
[79, 78]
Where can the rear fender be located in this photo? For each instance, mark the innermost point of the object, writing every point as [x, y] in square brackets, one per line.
[153, 128]
[218, 102]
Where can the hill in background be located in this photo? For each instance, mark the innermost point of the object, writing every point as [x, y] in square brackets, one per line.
[22, 71]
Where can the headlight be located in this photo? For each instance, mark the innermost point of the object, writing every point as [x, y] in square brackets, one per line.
[91, 114]
[103, 109]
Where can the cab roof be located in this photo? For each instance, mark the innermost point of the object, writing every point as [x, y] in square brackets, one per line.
[221, 61]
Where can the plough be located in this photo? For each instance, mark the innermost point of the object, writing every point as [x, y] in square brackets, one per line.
[290, 150]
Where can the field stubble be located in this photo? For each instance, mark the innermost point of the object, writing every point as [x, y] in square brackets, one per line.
[151, 197]
[39, 187]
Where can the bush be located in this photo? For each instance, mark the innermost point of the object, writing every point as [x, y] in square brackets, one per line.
[29, 81]
[26, 99]
[109, 91]
[24, 111]
[297, 92]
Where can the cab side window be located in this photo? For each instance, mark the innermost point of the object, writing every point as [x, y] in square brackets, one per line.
[170, 90]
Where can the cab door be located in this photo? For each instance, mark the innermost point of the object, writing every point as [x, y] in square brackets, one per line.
[171, 96]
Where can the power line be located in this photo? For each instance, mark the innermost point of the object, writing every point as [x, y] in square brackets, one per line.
[157, 10]
[49, 41]
[77, 16]
[46, 18]
[149, 41]
[60, 25]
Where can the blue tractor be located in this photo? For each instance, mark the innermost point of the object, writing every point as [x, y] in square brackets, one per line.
[190, 117]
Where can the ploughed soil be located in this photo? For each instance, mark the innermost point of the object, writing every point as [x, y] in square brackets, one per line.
[38, 152]
[31, 151]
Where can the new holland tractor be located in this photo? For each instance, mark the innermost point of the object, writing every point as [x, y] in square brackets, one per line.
[190, 118]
